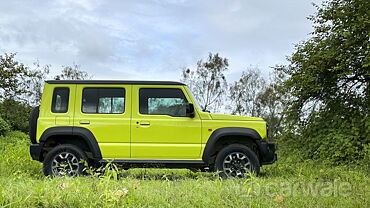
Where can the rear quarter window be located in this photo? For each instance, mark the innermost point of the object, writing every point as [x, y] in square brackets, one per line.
[60, 100]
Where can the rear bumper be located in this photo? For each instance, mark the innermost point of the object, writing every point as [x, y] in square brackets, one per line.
[267, 153]
[36, 151]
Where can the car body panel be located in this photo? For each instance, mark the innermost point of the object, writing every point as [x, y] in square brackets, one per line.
[112, 131]
[135, 136]
[163, 136]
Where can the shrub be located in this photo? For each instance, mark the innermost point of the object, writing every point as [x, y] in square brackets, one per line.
[16, 114]
[334, 138]
[4, 127]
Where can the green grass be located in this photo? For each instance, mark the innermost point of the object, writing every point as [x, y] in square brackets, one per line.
[288, 183]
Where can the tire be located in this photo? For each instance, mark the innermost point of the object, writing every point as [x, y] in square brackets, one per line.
[65, 160]
[237, 161]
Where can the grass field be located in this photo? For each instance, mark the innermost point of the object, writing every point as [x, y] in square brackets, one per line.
[288, 183]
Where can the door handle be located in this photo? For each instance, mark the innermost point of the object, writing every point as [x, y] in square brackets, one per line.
[84, 122]
[145, 123]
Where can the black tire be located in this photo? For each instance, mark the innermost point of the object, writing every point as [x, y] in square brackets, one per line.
[225, 158]
[66, 155]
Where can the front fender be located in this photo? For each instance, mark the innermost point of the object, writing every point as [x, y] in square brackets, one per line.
[228, 131]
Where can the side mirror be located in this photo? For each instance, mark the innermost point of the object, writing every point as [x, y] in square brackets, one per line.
[190, 110]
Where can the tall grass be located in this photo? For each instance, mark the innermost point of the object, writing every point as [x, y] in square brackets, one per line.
[290, 182]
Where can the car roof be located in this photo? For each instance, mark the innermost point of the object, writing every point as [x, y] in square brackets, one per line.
[127, 82]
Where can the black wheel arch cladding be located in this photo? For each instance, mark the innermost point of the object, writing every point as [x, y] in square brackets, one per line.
[228, 131]
[84, 133]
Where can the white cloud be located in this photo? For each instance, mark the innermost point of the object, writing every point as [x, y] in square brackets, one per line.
[152, 39]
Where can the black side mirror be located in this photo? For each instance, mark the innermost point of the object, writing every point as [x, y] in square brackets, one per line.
[190, 110]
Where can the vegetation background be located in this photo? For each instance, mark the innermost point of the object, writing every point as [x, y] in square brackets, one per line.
[317, 108]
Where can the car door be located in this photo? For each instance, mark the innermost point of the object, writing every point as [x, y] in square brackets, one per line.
[106, 111]
[160, 127]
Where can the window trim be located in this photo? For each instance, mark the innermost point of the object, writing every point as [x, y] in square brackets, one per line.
[157, 88]
[53, 100]
[124, 101]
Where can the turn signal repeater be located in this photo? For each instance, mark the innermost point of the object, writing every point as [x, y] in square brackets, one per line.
[210, 130]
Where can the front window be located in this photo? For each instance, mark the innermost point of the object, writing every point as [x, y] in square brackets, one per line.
[162, 101]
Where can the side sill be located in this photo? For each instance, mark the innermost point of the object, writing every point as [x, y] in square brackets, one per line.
[157, 163]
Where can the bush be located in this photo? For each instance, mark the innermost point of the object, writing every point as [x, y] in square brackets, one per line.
[4, 127]
[16, 114]
[334, 138]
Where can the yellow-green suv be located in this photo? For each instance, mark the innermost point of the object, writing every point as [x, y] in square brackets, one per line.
[141, 124]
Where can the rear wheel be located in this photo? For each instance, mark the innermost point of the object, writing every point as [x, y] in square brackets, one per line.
[65, 160]
[237, 161]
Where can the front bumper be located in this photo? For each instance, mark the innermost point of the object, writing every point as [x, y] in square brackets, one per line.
[267, 153]
[36, 151]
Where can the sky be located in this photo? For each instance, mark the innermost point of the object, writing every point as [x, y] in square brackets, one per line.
[153, 39]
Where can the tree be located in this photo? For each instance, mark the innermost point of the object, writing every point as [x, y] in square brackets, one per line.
[14, 77]
[244, 93]
[72, 73]
[35, 84]
[329, 77]
[207, 82]
[333, 66]
[271, 103]
[253, 95]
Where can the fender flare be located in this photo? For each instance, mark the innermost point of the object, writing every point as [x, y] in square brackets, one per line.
[228, 131]
[84, 133]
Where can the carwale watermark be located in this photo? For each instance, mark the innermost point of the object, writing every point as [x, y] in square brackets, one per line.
[334, 188]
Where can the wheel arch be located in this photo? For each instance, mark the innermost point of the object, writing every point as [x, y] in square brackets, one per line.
[74, 135]
[247, 136]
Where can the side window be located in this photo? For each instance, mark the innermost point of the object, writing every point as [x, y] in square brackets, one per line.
[60, 100]
[103, 100]
[162, 101]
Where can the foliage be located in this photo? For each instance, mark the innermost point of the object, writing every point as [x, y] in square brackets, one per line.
[16, 114]
[72, 73]
[253, 95]
[333, 65]
[291, 182]
[328, 82]
[15, 78]
[207, 82]
[4, 127]
[328, 137]
[36, 84]
[245, 92]
[271, 103]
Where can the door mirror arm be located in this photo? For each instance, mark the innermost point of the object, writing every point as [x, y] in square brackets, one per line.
[190, 110]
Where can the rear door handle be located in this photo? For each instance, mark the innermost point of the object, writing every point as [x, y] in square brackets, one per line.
[145, 123]
[84, 122]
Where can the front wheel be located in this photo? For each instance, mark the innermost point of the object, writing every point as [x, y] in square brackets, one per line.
[237, 161]
[65, 160]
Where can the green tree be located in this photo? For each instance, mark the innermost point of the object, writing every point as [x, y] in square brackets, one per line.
[14, 77]
[328, 81]
[207, 82]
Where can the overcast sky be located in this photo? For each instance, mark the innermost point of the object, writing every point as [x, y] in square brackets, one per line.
[152, 40]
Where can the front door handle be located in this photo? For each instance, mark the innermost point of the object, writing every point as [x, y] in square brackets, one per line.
[145, 123]
[84, 122]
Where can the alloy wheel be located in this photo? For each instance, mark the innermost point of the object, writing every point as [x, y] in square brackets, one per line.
[236, 165]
